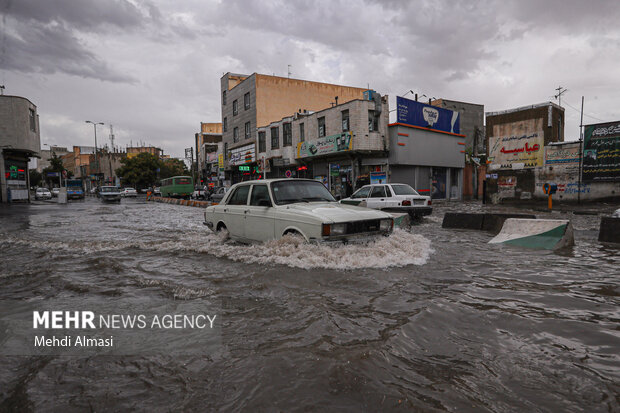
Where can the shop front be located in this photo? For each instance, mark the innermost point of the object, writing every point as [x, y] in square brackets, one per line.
[242, 163]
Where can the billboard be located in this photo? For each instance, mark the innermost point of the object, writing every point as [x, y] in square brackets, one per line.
[244, 154]
[601, 152]
[325, 145]
[516, 152]
[419, 114]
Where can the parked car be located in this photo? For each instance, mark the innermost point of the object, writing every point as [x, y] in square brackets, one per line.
[126, 192]
[217, 194]
[110, 194]
[199, 193]
[393, 198]
[156, 191]
[263, 210]
[42, 193]
[55, 191]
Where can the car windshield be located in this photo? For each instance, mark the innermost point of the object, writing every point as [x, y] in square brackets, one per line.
[288, 192]
[41, 190]
[403, 189]
[109, 189]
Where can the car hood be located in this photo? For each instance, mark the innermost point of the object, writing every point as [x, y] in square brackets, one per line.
[334, 212]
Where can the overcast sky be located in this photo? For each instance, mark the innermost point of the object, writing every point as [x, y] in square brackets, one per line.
[152, 68]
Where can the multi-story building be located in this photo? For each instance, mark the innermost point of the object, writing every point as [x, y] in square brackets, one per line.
[515, 142]
[340, 145]
[81, 160]
[208, 147]
[256, 100]
[47, 154]
[19, 141]
[136, 150]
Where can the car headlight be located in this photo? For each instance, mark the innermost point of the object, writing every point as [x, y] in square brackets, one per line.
[386, 224]
[339, 229]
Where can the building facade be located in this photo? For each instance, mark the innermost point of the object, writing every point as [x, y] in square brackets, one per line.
[208, 147]
[252, 101]
[47, 154]
[516, 141]
[339, 145]
[19, 141]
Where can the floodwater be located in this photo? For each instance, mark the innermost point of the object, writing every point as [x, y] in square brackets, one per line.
[427, 320]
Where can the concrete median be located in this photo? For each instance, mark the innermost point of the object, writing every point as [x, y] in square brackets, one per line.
[489, 221]
[401, 219]
[548, 234]
[609, 230]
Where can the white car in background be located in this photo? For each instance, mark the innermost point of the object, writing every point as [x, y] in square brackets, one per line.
[269, 209]
[129, 192]
[42, 193]
[392, 198]
[55, 191]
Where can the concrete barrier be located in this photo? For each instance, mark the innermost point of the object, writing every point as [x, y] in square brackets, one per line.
[548, 234]
[462, 220]
[493, 222]
[609, 230]
[185, 202]
[401, 219]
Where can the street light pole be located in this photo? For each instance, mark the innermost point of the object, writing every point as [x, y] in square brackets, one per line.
[96, 159]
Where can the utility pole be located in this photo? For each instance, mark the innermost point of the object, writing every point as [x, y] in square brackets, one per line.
[580, 154]
[111, 137]
[561, 90]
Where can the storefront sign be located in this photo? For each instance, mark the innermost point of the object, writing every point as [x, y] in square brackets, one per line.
[326, 145]
[211, 157]
[220, 161]
[601, 152]
[525, 151]
[420, 114]
[244, 154]
[378, 177]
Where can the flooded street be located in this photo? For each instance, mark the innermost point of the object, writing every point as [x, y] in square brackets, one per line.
[428, 320]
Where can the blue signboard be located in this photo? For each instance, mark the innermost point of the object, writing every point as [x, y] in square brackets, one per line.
[415, 113]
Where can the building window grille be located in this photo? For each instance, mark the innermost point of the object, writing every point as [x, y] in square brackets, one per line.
[247, 130]
[262, 145]
[275, 138]
[246, 101]
[287, 134]
[345, 120]
[322, 127]
[235, 107]
[302, 133]
[236, 135]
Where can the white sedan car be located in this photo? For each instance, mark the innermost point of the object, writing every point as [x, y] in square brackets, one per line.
[391, 197]
[269, 209]
[129, 192]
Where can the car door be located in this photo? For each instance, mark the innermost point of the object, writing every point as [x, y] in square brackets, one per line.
[359, 197]
[234, 211]
[377, 197]
[260, 215]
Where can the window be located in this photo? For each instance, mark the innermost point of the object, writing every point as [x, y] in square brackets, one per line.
[362, 193]
[275, 138]
[287, 134]
[247, 130]
[225, 125]
[378, 192]
[321, 126]
[33, 121]
[235, 107]
[240, 197]
[246, 101]
[223, 98]
[403, 189]
[262, 146]
[260, 194]
[345, 120]
[236, 135]
[302, 133]
[373, 121]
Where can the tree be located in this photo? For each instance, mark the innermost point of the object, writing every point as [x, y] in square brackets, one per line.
[172, 167]
[139, 171]
[35, 177]
[55, 166]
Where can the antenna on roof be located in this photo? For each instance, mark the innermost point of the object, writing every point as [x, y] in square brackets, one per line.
[1, 90]
[289, 71]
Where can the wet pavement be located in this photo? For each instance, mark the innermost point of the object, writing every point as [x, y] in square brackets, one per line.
[426, 320]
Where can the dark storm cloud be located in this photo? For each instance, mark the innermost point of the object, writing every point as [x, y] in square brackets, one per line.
[45, 36]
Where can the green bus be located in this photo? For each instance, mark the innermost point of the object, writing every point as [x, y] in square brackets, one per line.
[177, 187]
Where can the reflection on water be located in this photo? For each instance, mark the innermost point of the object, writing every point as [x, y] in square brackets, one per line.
[423, 320]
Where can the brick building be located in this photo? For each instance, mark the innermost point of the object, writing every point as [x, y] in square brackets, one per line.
[256, 100]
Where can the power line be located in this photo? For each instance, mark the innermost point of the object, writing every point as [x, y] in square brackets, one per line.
[579, 111]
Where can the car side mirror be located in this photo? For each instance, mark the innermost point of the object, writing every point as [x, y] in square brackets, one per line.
[264, 203]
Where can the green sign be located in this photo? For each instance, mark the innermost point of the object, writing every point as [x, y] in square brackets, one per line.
[325, 145]
[245, 168]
